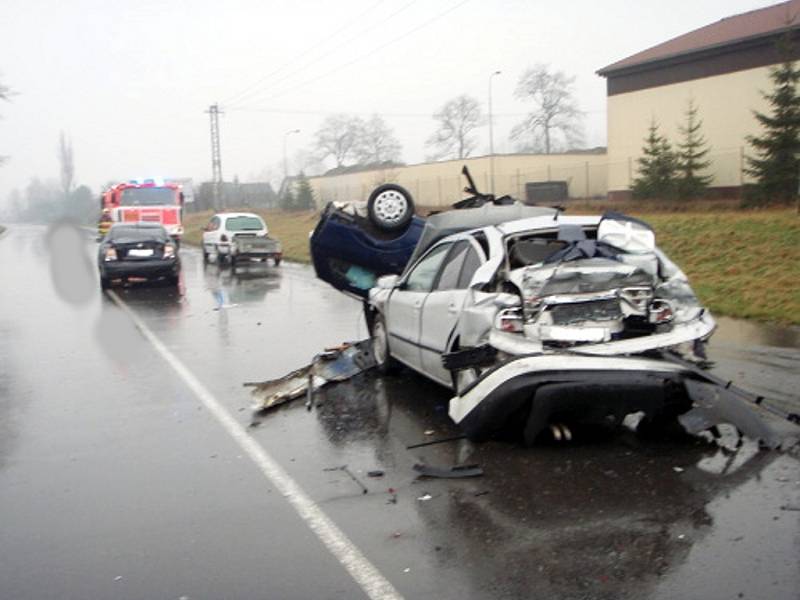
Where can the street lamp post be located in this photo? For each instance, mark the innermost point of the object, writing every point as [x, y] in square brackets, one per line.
[285, 162]
[491, 135]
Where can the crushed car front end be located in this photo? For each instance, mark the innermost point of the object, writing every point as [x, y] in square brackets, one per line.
[593, 323]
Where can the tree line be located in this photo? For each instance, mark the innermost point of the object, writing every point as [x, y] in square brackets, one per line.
[679, 172]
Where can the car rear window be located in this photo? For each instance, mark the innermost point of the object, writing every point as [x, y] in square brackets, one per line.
[138, 234]
[243, 224]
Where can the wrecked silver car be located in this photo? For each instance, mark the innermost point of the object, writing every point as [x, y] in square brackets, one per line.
[542, 323]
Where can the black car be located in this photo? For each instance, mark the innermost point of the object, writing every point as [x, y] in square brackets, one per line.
[138, 250]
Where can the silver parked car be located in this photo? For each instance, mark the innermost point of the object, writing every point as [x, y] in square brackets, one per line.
[541, 323]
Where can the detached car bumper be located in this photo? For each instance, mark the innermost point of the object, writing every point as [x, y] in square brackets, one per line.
[535, 391]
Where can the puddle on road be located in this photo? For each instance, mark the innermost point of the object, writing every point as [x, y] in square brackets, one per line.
[611, 516]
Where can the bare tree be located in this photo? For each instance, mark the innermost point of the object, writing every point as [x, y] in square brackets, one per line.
[66, 163]
[377, 143]
[457, 119]
[5, 94]
[308, 162]
[555, 115]
[338, 136]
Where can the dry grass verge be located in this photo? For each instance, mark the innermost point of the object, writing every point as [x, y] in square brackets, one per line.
[741, 263]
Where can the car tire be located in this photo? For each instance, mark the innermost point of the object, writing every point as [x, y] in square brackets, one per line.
[205, 256]
[380, 347]
[105, 283]
[390, 207]
[173, 280]
[277, 262]
[220, 257]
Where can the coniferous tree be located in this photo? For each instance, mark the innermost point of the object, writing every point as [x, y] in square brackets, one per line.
[692, 150]
[304, 199]
[656, 171]
[287, 200]
[775, 166]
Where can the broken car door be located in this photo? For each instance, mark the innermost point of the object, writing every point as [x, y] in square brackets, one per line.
[444, 304]
[404, 307]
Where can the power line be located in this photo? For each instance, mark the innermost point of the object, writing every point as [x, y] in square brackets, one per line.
[325, 113]
[305, 53]
[297, 68]
[370, 52]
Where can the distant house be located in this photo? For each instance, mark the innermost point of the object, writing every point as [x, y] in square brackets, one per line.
[722, 67]
[235, 195]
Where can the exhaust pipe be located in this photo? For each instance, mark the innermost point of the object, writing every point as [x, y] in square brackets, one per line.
[561, 432]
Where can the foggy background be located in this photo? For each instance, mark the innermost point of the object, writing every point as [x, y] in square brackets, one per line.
[128, 82]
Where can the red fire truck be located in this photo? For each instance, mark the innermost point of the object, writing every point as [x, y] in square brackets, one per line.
[146, 201]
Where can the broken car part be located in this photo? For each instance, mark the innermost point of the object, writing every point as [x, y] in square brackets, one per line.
[337, 364]
[456, 472]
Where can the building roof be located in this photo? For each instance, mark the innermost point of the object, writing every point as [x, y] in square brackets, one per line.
[750, 25]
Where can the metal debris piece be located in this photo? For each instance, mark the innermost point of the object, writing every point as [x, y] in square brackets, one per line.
[332, 365]
[432, 442]
[424, 497]
[456, 472]
[715, 404]
[344, 469]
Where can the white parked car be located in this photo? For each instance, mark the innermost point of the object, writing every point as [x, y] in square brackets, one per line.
[542, 323]
[239, 237]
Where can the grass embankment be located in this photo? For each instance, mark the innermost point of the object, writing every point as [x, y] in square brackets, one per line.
[741, 263]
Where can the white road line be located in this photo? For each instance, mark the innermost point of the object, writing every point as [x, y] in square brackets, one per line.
[366, 575]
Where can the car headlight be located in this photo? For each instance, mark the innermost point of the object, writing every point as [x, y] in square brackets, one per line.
[111, 254]
[169, 251]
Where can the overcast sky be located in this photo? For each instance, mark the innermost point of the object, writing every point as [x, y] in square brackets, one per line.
[129, 80]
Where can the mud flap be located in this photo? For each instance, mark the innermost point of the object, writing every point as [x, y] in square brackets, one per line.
[716, 405]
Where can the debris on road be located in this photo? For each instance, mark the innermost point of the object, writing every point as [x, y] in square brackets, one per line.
[440, 441]
[424, 497]
[455, 472]
[332, 365]
[375, 473]
[344, 469]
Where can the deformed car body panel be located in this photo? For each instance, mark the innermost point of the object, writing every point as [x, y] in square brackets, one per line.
[539, 389]
[533, 317]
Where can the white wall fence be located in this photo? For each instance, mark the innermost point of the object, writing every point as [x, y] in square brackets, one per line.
[586, 175]
[441, 183]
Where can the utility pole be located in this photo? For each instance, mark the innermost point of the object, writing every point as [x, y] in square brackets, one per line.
[491, 134]
[216, 157]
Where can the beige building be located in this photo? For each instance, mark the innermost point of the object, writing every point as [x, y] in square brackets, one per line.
[441, 183]
[722, 68]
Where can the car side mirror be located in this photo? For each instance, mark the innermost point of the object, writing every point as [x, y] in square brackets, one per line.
[387, 282]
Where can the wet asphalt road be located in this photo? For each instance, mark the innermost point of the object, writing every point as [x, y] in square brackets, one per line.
[116, 482]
